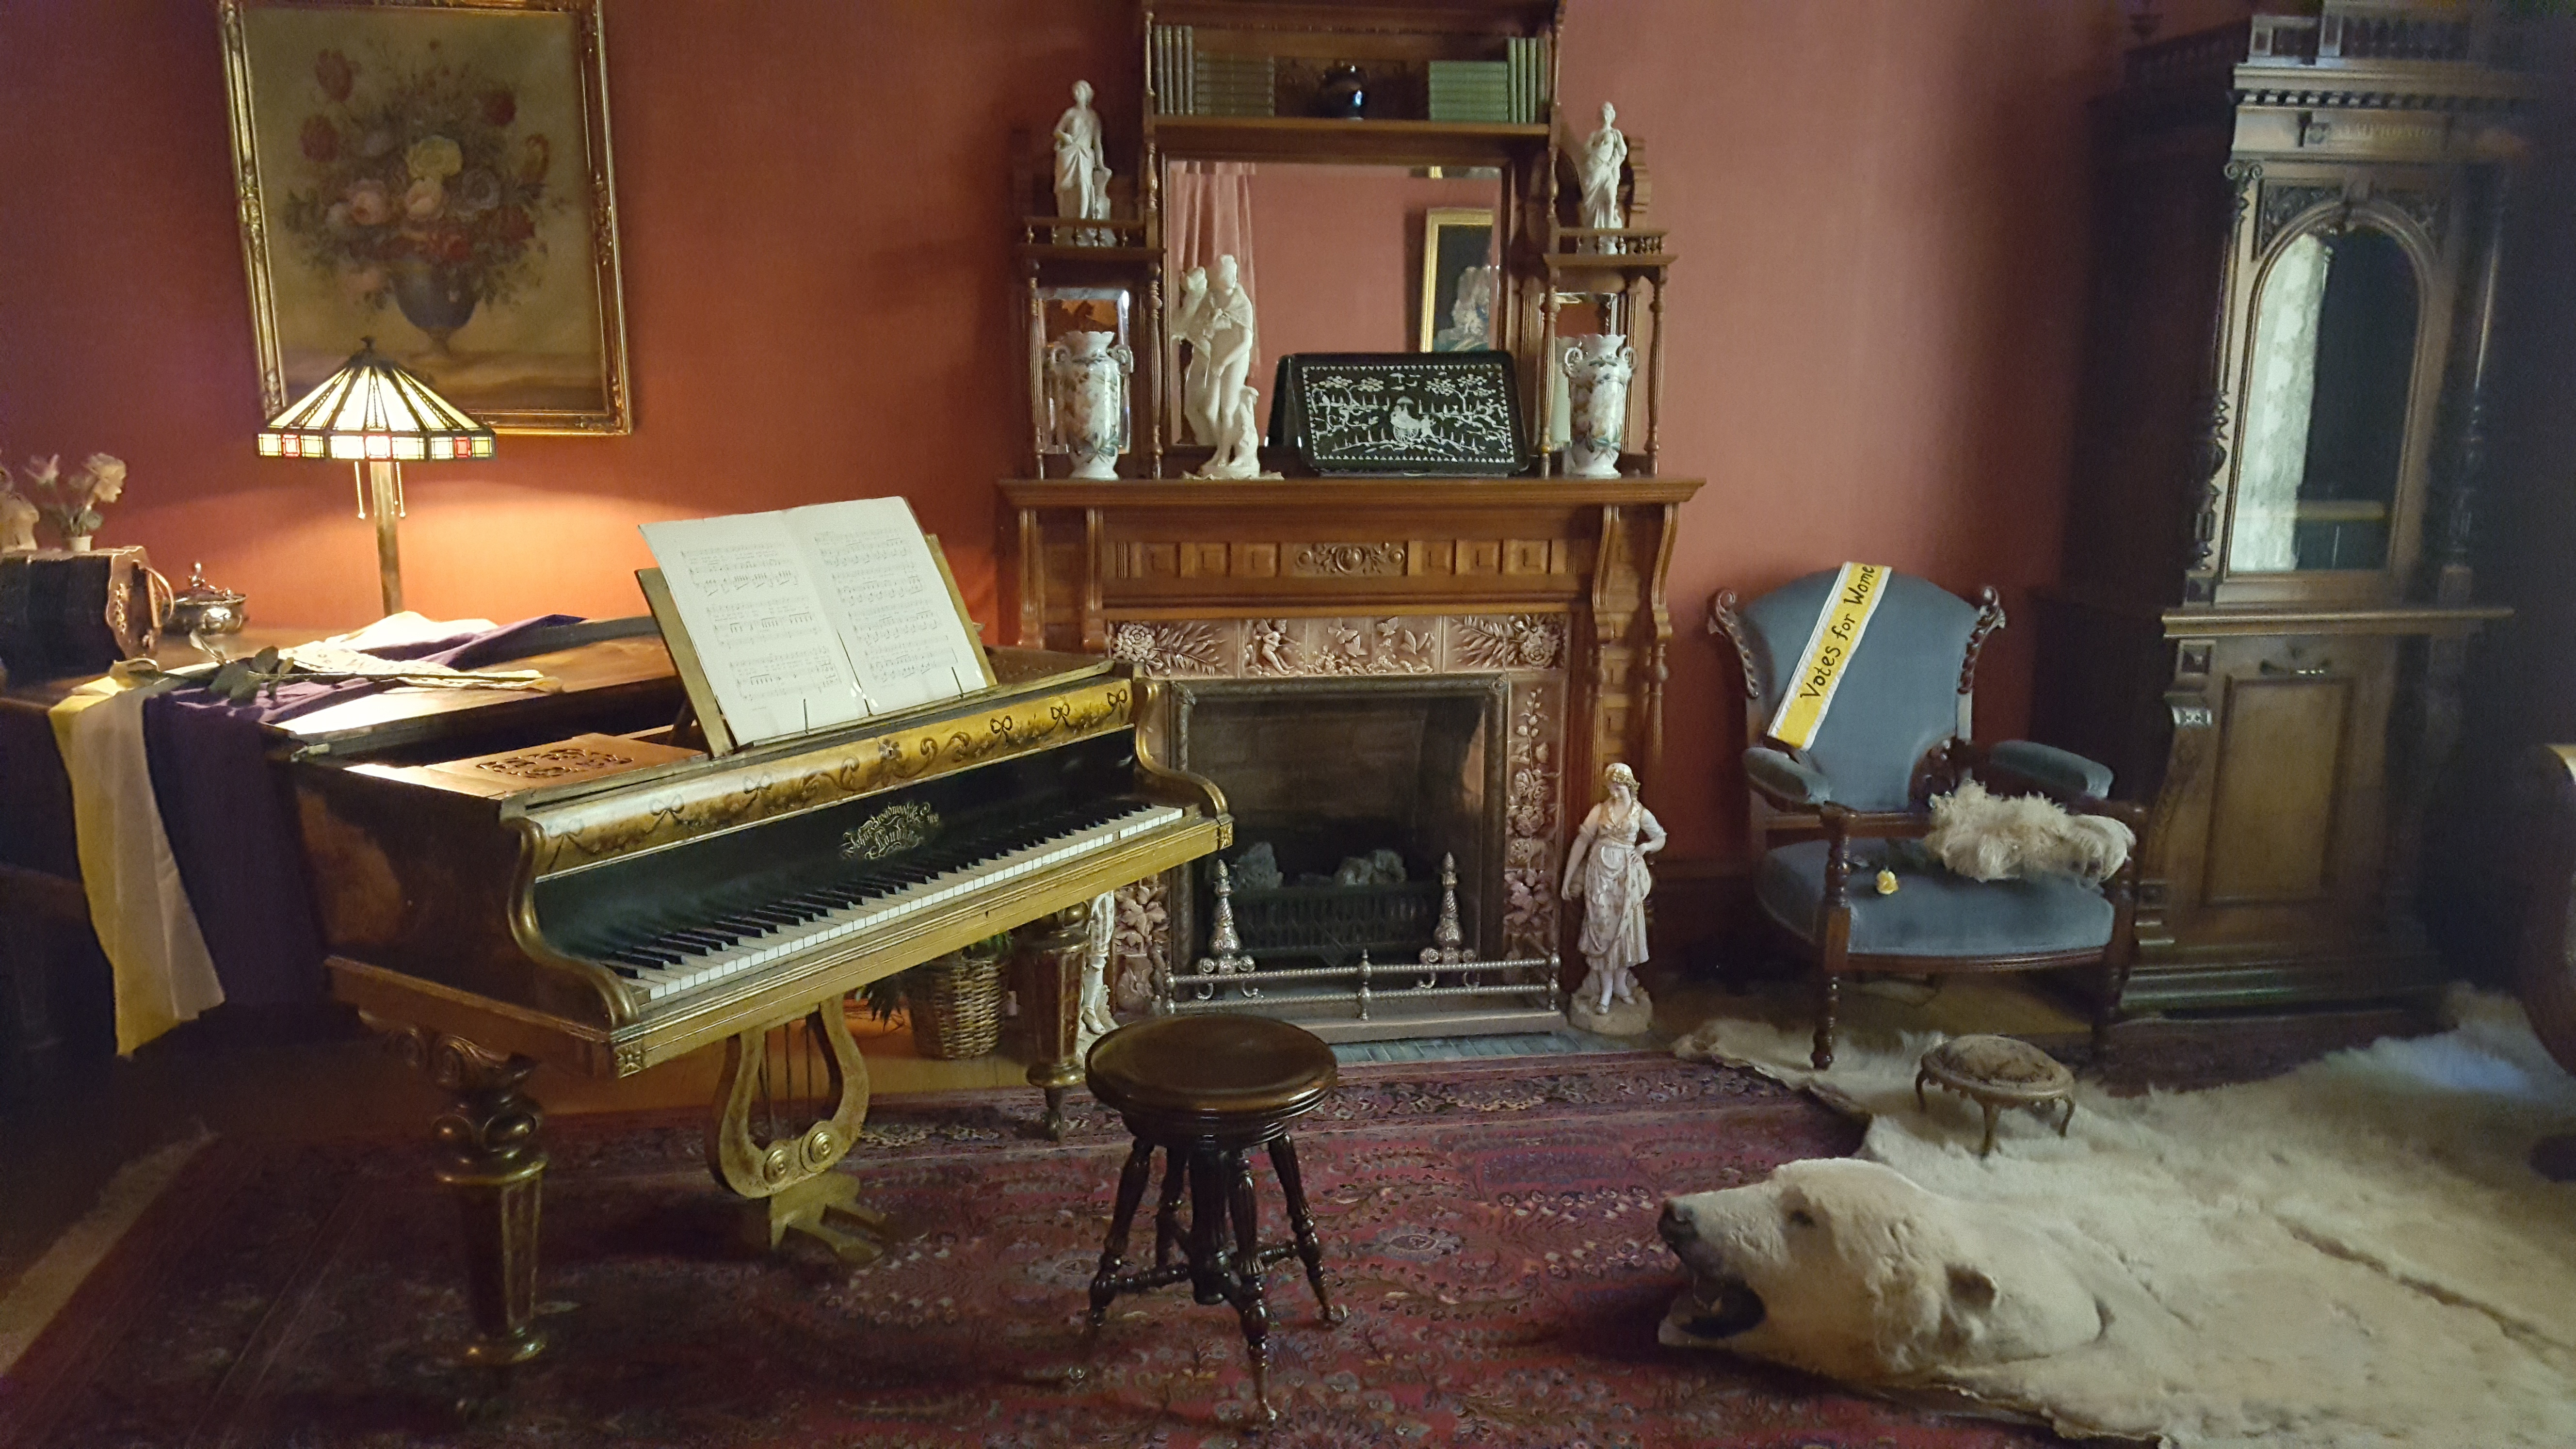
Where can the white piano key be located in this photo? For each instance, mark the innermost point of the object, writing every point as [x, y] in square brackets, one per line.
[758, 951]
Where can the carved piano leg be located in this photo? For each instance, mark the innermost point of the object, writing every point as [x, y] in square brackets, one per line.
[492, 1162]
[1052, 998]
[789, 1177]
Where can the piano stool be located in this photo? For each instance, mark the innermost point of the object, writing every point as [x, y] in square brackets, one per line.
[1205, 1090]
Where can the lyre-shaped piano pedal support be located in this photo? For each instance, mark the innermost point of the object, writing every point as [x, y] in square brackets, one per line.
[789, 1179]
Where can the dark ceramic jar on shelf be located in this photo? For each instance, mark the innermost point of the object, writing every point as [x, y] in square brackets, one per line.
[1344, 94]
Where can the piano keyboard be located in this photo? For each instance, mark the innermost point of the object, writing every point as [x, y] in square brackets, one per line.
[666, 958]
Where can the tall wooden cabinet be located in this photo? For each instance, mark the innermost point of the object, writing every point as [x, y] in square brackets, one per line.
[2267, 584]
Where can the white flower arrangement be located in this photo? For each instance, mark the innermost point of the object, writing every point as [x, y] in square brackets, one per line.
[71, 504]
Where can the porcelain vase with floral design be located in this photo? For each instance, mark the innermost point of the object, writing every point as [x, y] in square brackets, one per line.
[1597, 372]
[1087, 376]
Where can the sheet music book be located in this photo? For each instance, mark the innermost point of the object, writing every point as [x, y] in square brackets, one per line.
[813, 617]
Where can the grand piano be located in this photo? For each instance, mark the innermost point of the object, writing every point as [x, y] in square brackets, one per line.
[506, 879]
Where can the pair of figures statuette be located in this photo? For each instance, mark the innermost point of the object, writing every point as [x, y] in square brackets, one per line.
[1605, 869]
[1217, 396]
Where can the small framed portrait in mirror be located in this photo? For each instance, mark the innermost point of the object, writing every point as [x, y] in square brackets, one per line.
[1057, 314]
[1460, 282]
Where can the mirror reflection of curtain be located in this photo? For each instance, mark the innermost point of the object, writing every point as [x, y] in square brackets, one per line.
[2280, 397]
[1207, 213]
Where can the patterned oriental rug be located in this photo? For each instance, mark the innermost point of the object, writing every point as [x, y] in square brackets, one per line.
[1491, 1226]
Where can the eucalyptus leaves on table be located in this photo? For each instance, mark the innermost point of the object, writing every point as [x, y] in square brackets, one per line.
[239, 681]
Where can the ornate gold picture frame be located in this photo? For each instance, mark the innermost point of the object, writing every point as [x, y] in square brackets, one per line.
[1457, 257]
[435, 176]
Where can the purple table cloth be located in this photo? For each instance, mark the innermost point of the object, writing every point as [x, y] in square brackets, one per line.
[231, 818]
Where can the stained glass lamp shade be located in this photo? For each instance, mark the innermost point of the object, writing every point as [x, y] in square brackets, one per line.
[377, 416]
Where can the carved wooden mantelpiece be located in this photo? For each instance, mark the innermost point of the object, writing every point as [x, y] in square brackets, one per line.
[1088, 557]
[1557, 583]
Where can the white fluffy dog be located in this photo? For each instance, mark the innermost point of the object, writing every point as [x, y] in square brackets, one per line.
[1846, 1268]
[1985, 836]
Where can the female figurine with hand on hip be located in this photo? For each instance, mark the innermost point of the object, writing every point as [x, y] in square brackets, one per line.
[1606, 870]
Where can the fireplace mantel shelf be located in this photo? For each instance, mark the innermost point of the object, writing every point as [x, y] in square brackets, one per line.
[1409, 494]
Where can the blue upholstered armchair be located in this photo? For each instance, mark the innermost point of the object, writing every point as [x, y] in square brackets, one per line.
[1897, 735]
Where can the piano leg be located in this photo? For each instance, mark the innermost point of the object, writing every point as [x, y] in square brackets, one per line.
[1053, 1001]
[491, 1161]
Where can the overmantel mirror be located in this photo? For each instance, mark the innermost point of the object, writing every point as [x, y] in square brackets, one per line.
[1334, 258]
[2325, 476]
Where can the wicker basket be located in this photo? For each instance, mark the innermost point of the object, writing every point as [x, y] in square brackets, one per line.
[956, 1005]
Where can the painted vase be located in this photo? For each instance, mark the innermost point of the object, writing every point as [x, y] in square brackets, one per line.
[1597, 371]
[435, 299]
[1087, 373]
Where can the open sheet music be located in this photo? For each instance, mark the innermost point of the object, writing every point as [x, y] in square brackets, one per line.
[816, 616]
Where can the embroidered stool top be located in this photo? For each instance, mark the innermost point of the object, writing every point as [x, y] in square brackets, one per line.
[1997, 1072]
[1219, 1071]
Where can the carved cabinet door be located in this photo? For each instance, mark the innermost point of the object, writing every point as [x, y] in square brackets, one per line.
[2279, 833]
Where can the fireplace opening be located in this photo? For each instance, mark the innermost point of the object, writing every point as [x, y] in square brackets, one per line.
[1347, 797]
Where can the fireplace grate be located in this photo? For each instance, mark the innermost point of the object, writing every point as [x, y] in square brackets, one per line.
[1336, 923]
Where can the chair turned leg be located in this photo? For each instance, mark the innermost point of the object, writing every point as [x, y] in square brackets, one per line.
[1829, 998]
[1167, 1213]
[1131, 1191]
[1243, 1278]
[1310, 1249]
[2115, 983]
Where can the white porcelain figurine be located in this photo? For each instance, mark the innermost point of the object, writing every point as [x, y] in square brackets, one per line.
[1603, 158]
[1606, 870]
[1216, 319]
[1087, 373]
[1081, 173]
[1597, 372]
[1094, 1020]
[18, 515]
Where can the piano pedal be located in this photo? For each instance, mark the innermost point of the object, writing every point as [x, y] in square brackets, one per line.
[823, 1209]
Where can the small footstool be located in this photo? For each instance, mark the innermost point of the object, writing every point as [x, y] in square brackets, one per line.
[1996, 1072]
[1206, 1089]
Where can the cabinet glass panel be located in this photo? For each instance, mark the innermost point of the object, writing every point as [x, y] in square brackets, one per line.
[2325, 413]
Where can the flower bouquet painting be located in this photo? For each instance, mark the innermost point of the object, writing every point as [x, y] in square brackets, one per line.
[434, 176]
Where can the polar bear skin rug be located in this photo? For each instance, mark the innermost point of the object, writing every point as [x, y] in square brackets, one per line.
[1843, 1267]
[2354, 1255]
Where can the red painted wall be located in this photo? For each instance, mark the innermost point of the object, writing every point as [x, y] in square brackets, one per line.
[1880, 208]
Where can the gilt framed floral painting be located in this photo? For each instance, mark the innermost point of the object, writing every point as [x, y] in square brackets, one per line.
[434, 176]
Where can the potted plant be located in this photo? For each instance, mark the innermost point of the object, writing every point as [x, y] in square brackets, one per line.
[955, 1001]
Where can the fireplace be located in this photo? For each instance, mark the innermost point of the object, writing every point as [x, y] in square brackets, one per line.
[1340, 786]
[1481, 648]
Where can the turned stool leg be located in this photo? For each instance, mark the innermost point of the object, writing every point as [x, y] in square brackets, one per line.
[1209, 1188]
[1310, 1249]
[1243, 1278]
[1989, 1144]
[1167, 1214]
[1131, 1191]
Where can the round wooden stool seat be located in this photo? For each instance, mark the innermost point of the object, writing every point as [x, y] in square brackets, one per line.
[1199, 1075]
[1996, 1072]
[1205, 1090]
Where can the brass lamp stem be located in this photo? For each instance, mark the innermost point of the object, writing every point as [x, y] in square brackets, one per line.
[384, 501]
